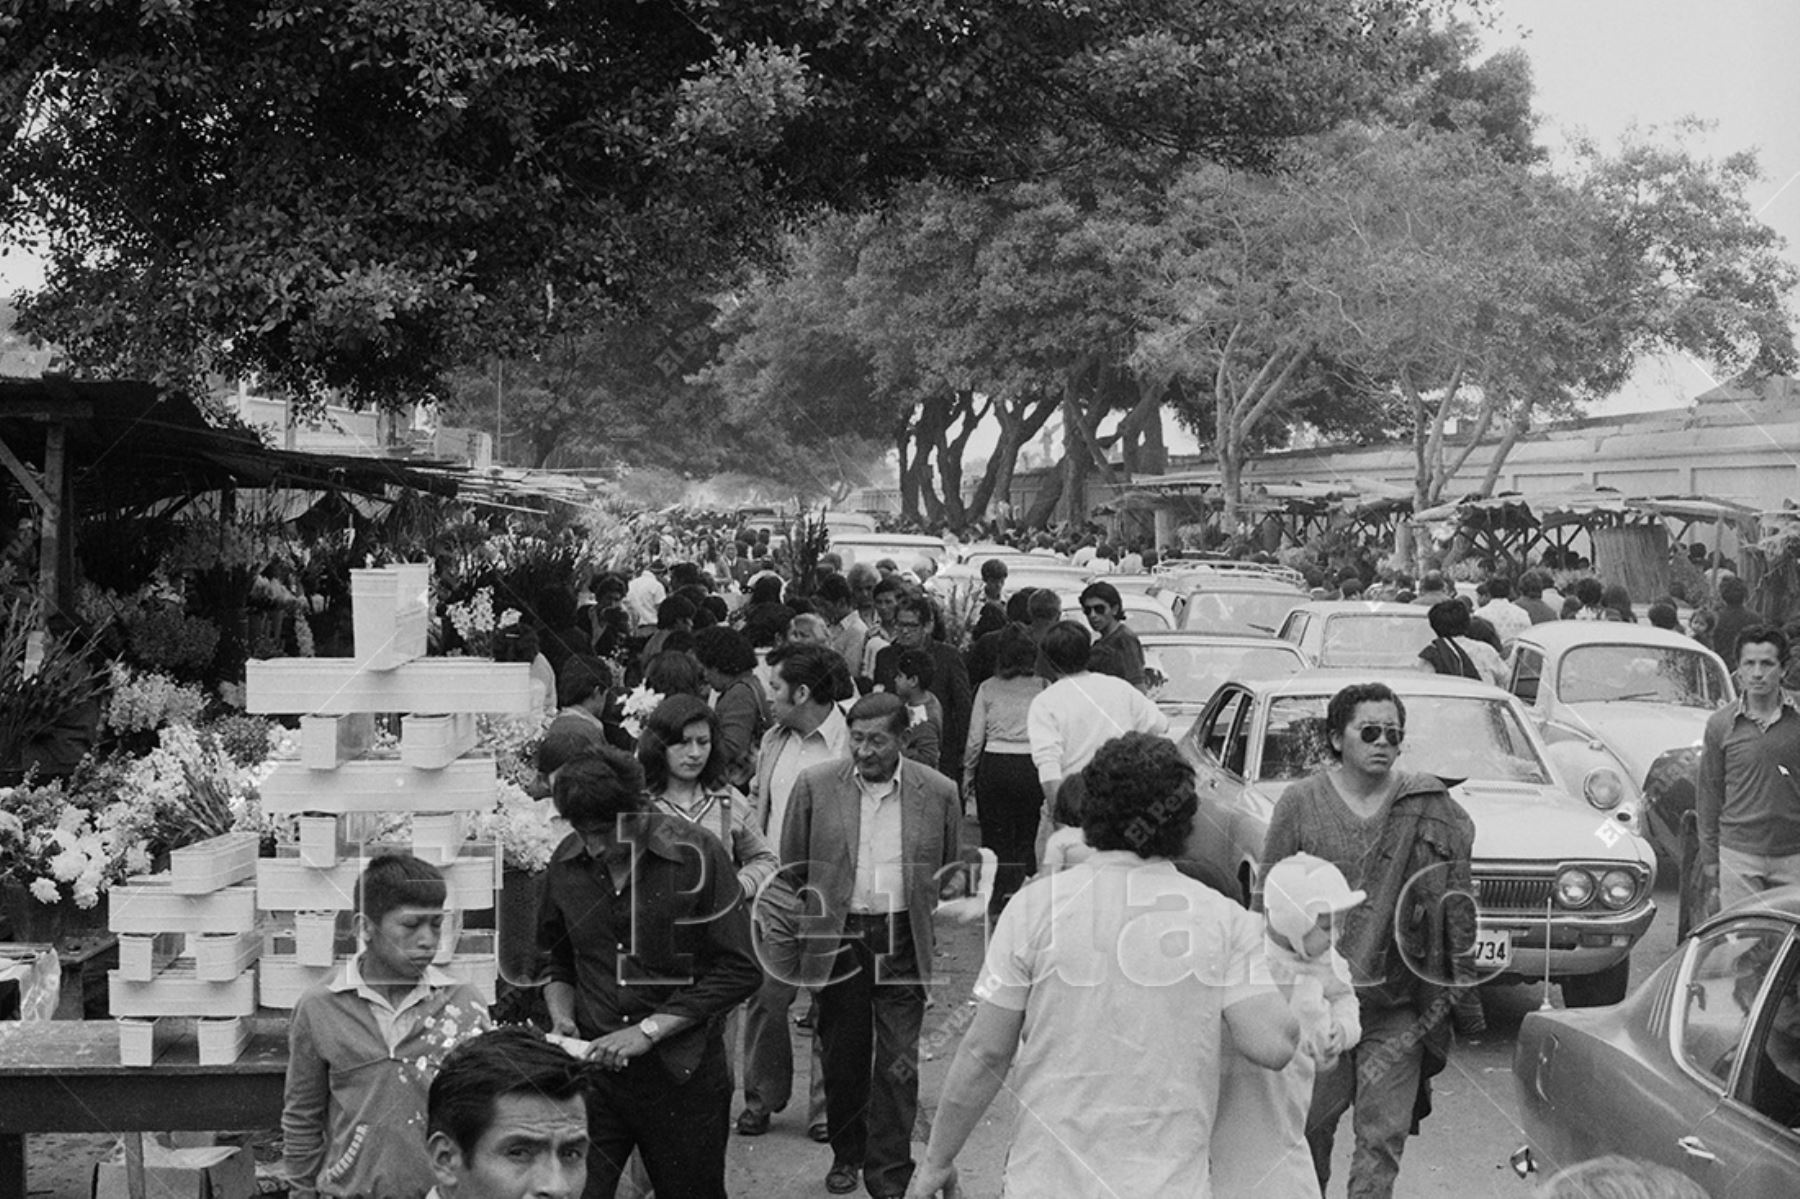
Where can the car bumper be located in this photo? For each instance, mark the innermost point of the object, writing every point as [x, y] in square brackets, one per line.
[1566, 945]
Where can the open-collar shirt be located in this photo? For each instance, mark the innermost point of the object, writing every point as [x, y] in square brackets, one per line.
[880, 885]
[396, 1020]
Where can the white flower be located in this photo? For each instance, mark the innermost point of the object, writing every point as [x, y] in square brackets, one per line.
[68, 865]
[640, 703]
[44, 891]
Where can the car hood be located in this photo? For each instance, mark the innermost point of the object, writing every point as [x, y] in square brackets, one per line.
[1637, 733]
[1519, 821]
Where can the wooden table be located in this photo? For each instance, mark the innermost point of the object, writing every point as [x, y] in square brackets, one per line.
[62, 1076]
[84, 959]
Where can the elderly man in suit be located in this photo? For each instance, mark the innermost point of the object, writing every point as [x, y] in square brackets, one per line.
[866, 842]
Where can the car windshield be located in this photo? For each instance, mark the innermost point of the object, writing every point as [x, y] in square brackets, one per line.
[1373, 639]
[1189, 674]
[1239, 611]
[1657, 673]
[1453, 737]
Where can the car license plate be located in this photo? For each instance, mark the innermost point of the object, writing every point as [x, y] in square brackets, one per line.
[1493, 948]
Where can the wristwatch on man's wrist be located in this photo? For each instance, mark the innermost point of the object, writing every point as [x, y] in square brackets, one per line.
[650, 1028]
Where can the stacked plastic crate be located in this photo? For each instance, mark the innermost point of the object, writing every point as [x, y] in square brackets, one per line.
[343, 792]
[188, 944]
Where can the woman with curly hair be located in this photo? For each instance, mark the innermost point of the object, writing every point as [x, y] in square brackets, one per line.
[1129, 975]
[683, 757]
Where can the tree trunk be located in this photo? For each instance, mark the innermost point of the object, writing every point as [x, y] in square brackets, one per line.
[1140, 433]
[1514, 430]
[909, 487]
[1075, 466]
[1018, 425]
[1047, 500]
[950, 451]
[1231, 484]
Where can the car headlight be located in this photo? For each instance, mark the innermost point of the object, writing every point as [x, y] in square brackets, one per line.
[1603, 788]
[1574, 887]
[1618, 888]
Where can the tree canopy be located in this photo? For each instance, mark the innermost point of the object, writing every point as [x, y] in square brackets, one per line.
[362, 194]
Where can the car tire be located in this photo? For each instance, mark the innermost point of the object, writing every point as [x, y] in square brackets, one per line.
[1602, 989]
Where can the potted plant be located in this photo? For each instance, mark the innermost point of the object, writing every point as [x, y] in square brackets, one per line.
[47, 682]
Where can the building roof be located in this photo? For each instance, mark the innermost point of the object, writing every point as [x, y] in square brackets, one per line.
[130, 444]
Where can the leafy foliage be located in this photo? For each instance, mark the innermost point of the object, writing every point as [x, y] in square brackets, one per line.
[359, 194]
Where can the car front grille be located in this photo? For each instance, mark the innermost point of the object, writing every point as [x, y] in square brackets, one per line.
[1513, 894]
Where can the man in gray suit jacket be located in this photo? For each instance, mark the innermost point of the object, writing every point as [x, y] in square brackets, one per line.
[866, 843]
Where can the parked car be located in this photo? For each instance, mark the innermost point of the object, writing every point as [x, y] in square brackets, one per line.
[1183, 669]
[1641, 692]
[903, 548]
[1235, 603]
[1021, 573]
[974, 555]
[1359, 633]
[1699, 1070]
[850, 522]
[1218, 564]
[1563, 888]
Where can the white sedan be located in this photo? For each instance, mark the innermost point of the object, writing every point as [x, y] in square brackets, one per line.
[1183, 669]
[1642, 693]
[1563, 883]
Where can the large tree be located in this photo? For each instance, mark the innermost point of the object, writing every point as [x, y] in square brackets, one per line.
[1455, 280]
[947, 310]
[361, 193]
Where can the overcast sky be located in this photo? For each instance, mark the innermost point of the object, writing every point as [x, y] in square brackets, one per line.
[1602, 65]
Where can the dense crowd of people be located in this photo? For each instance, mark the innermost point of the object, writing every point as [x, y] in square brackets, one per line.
[767, 794]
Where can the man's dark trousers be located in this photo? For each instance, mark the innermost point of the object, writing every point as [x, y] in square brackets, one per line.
[869, 1022]
[680, 1127]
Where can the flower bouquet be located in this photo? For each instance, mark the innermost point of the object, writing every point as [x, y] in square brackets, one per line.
[187, 789]
[42, 679]
[638, 705]
[526, 830]
[475, 622]
[57, 851]
[144, 701]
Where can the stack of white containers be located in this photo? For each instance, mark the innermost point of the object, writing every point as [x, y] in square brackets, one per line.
[190, 939]
[343, 793]
[188, 944]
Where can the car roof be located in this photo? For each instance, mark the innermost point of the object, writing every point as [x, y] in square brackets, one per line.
[1131, 601]
[1407, 684]
[1362, 608]
[858, 537]
[1558, 635]
[1203, 581]
[1218, 637]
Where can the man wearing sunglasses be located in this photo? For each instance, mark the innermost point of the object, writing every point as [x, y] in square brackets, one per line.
[1117, 651]
[1402, 839]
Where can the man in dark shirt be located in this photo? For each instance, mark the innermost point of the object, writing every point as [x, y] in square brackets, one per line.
[1117, 651]
[950, 681]
[1531, 597]
[1734, 617]
[1745, 796]
[985, 652]
[647, 942]
[993, 606]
